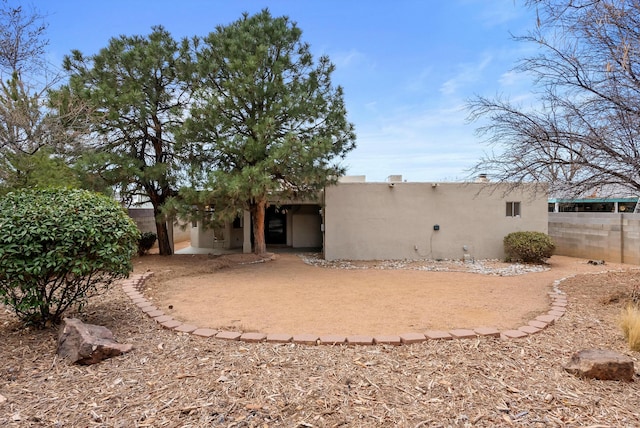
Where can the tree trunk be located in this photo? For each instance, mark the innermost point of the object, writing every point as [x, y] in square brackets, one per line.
[164, 244]
[259, 245]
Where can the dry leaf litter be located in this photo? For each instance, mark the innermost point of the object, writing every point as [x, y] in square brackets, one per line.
[179, 380]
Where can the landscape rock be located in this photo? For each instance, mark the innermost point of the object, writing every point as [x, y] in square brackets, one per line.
[601, 364]
[87, 343]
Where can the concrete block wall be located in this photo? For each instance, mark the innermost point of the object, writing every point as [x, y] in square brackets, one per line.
[614, 237]
[631, 238]
[143, 217]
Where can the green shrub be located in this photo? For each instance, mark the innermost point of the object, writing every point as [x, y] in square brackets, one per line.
[146, 241]
[58, 247]
[528, 247]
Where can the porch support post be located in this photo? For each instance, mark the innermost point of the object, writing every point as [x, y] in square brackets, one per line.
[246, 229]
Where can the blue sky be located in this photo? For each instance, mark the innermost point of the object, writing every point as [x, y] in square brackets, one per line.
[407, 67]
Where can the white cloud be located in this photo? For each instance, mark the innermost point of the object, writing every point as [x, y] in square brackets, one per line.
[468, 74]
[495, 13]
[510, 78]
[347, 59]
[498, 12]
[371, 106]
[421, 82]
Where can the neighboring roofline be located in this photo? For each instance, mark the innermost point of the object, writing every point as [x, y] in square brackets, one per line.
[591, 200]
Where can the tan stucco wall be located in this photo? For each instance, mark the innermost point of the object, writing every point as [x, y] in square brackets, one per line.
[307, 229]
[236, 236]
[372, 221]
[304, 226]
[202, 237]
[605, 236]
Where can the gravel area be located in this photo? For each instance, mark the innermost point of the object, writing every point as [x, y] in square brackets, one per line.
[484, 267]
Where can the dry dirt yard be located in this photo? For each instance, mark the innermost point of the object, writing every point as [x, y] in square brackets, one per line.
[287, 295]
[178, 380]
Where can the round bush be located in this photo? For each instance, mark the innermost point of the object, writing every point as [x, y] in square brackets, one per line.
[146, 241]
[528, 247]
[58, 247]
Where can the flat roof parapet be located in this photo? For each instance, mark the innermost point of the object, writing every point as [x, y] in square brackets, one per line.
[352, 179]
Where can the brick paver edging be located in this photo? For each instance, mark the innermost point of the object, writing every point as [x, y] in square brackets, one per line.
[133, 288]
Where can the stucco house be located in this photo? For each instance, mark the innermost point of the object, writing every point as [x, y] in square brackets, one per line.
[395, 219]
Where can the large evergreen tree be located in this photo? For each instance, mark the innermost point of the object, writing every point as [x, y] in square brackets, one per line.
[268, 116]
[137, 90]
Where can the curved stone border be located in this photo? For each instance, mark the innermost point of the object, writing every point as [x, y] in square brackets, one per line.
[133, 288]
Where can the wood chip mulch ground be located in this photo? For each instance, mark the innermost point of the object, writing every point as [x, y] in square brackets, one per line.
[178, 380]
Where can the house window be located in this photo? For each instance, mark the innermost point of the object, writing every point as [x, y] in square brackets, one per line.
[513, 209]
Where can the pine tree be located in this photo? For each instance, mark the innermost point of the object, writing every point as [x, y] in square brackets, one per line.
[268, 117]
[137, 88]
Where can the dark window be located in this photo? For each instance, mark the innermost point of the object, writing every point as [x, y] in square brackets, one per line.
[513, 209]
[596, 207]
[626, 207]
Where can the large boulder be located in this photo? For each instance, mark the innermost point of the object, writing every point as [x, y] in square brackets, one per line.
[601, 364]
[87, 343]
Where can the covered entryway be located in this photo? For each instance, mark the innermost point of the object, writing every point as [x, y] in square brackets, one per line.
[293, 225]
[286, 225]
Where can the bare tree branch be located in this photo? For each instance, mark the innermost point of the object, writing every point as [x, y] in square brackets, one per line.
[22, 38]
[584, 131]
